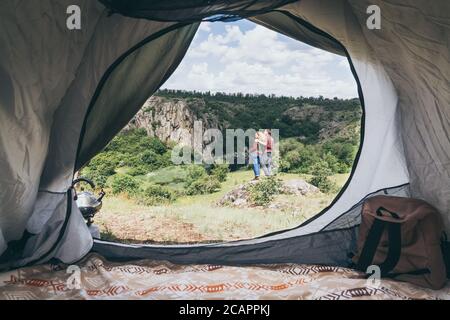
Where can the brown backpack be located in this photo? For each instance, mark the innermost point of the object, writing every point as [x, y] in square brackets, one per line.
[402, 236]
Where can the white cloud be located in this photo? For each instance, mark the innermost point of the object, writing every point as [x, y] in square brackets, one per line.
[343, 63]
[261, 61]
[205, 27]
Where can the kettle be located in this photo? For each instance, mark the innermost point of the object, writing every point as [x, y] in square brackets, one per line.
[87, 202]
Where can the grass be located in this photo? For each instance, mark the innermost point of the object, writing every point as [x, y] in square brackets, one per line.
[197, 219]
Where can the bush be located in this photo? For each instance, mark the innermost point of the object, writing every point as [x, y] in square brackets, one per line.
[334, 164]
[285, 166]
[122, 183]
[220, 171]
[151, 159]
[100, 168]
[137, 171]
[131, 160]
[95, 176]
[199, 182]
[204, 185]
[301, 160]
[262, 192]
[290, 144]
[155, 194]
[135, 141]
[156, 145]
[297, 157]
[194, 172]
[321, 172]
[343, 150]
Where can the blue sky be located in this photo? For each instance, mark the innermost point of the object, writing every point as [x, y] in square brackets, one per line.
[245, 57]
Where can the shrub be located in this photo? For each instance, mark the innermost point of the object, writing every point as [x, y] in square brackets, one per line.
[343, 150]
[98, 178]
[165, 159]
[262, 192]
[137, 171]
[100, 168]
[151, 159]
[131, 160]
[297, 157]
[220, 171]
[156, 194]
[285, 166]
[135, 141]
[204, 185]
[105, 162]
[199, 182]
[320, 179]
[289, 144]
[293, 159]
[156, 145]
[194, 172]
[134, 148]
[122, 183]
[301, 160]
[333, 163]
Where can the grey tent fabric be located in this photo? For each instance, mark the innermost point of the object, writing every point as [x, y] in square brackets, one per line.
[112, 111]
[64, 94]
[278, 21]
[412, 48]
[193, 10]
[50, 74]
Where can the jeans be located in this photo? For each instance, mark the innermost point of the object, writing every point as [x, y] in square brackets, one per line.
[256, 163]
[266, 163]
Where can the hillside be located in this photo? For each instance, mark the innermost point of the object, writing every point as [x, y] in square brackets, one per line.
[316, 134]
[313, 120]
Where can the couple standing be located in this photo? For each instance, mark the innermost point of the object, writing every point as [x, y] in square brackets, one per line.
[261, 153]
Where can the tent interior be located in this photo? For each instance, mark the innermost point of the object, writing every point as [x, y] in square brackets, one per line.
[66, 93]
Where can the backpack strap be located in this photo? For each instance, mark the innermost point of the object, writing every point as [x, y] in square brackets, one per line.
[394, 250]
[373, 240]
[418, 272]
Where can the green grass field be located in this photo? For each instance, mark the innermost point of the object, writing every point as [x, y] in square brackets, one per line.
[197, 219]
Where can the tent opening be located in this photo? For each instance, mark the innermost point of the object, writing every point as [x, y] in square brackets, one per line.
[254, 133]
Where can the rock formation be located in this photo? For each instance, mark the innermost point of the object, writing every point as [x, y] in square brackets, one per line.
[240, 197]
[172, 120]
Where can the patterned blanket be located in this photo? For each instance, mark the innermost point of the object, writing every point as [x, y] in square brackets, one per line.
[96, 278]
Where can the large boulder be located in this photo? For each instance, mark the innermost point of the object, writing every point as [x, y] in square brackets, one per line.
[299, 187]
[238, 197]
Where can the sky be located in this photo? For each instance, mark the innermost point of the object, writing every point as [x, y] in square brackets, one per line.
[245, 57]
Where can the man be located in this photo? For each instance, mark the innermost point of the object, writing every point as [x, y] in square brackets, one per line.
[267, 154]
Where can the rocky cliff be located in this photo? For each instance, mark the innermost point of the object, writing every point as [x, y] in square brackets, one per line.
[332, 123]
[172, 120]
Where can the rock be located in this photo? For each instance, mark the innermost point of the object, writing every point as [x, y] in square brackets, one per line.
[299, 187]
[307, 112]
[274, 206]
[240, 202]
[172, 120]
[236, 198]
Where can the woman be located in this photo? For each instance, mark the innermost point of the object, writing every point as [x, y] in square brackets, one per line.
[256, 151]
